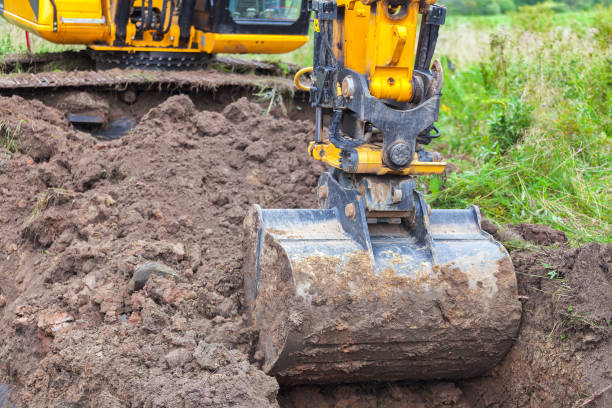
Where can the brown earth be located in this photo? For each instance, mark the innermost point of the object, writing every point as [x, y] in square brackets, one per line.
[78, 218]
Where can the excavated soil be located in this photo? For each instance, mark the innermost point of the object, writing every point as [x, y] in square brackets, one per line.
[79, 217]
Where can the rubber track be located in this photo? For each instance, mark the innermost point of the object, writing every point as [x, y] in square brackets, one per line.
[117, 79]
[26, 62]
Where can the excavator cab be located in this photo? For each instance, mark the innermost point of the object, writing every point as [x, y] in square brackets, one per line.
[165, 33]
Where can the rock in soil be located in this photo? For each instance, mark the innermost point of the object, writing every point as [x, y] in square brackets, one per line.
[143, 273]
[78, 218]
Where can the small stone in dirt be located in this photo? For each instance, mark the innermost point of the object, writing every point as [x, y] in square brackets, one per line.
[158, 215]
[52, 321]
[106, 200]
[2, 301]
[142, 274]
[178, 357]
[211, 356]
[109, 201]
[173, 295]
[135, 319]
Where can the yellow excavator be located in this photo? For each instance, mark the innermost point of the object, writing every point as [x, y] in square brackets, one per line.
[373, 285]
[164, 33]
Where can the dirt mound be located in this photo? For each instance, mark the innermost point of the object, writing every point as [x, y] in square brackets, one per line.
[120, 280]
[78, 219]
[541, 234]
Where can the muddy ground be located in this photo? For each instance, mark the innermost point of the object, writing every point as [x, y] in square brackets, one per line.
[79, 217]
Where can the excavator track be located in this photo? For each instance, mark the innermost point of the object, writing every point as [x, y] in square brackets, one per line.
[117, 79]
[24, 72]
[180, 61]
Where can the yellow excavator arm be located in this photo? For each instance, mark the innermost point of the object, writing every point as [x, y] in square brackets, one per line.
[378, 81]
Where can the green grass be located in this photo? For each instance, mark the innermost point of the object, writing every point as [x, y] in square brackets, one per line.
[9, 137]
[12, 40]
[529, 121]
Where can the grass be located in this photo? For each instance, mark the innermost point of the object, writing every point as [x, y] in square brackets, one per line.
[532, 112]
[9, 137]
[49, 198]
[12, 40]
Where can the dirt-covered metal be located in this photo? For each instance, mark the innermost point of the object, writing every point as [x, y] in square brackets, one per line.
[338, 299]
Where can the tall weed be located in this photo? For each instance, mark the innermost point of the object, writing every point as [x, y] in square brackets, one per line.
[530, 130]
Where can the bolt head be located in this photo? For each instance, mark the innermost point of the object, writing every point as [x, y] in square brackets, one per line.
[349, 210]
[323, 191]
[400, 154]
[348, 87]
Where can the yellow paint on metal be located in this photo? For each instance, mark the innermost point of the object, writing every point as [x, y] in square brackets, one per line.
[379, 41]
[262, 44]
[250, 43]
[370, 161]
[91, 25]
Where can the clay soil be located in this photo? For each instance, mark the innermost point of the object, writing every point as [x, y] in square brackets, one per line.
[78, 217]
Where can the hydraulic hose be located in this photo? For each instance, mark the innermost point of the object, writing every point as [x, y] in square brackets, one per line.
[186, 20]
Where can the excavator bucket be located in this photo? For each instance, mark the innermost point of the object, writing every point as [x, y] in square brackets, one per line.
[339, 296]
